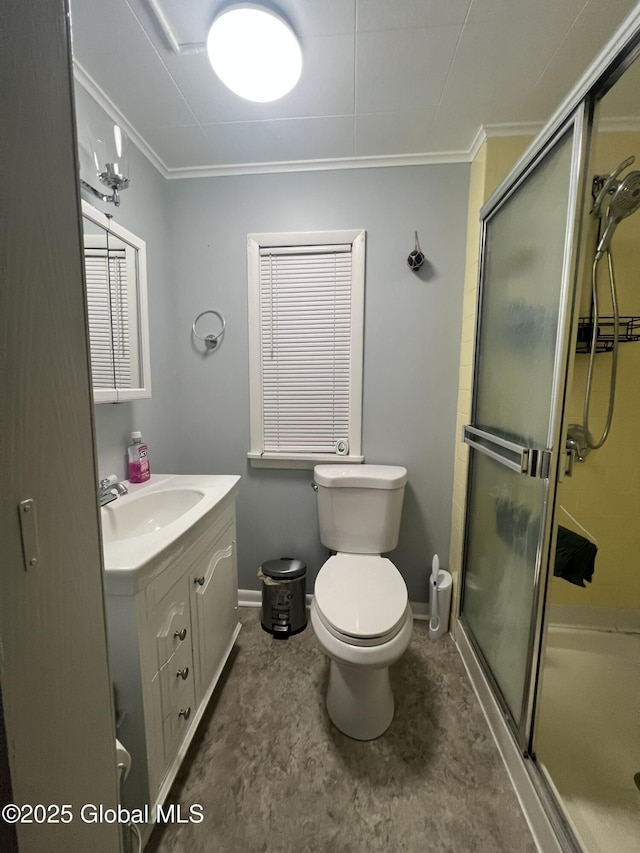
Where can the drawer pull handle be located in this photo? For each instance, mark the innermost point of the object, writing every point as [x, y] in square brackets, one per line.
[186, 713]
[180, 634]
[200, 580]
[183, 673]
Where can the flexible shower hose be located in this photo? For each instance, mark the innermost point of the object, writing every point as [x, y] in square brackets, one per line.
[594, 445]
[134, 829]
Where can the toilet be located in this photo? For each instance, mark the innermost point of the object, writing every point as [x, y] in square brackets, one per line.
[360, 609]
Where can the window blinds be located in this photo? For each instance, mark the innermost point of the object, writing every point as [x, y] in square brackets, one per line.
[305, 314]
[107, 298]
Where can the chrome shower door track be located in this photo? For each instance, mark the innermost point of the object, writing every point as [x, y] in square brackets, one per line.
[549, 826]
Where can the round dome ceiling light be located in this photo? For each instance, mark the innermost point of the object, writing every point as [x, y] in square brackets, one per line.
[254, 52]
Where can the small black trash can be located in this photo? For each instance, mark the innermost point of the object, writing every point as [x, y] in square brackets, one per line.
[284, 586]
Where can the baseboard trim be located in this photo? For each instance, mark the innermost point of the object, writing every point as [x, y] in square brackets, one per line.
[249, 598]
[420, 610]
[253, 598]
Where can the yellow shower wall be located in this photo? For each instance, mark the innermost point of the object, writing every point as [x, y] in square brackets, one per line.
[603, 495]
[491, 164]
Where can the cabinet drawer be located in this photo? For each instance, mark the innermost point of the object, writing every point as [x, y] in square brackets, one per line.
[176, 723]
[171, 622]
[173, 674]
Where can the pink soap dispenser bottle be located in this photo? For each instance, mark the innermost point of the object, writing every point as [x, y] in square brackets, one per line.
[139, 471]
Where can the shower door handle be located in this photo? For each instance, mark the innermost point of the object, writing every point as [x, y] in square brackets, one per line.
[531, 461]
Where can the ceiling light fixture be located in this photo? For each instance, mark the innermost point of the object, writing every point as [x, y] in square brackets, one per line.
[254, 52]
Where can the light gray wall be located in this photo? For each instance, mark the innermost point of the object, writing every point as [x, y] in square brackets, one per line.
[198, 417]
[412, 334]
[143, 210]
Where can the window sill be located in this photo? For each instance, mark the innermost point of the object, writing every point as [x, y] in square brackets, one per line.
[299, 460]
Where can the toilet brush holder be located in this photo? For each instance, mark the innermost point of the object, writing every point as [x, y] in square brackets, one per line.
[439, 609]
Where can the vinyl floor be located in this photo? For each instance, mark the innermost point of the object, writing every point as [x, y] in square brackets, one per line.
[272, 774]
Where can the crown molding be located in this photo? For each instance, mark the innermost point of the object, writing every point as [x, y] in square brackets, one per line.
[90, 86]
[478, 142]
[338, 163]
[501, 131]
[491, 131]
[84, 79]
[619, 125]
[531, 128]
[428, 158]
[616, 54]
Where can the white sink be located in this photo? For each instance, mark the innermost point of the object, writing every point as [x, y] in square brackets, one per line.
[153, 523]
[147, 512]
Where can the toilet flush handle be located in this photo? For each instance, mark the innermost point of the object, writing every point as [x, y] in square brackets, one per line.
[314, 486]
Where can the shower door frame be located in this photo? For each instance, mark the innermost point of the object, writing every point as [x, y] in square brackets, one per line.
[545, 812]
[577, 125]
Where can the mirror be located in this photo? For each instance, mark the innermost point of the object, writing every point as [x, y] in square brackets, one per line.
[115, 273]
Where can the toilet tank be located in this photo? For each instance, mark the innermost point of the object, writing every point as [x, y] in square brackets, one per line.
[359, 506]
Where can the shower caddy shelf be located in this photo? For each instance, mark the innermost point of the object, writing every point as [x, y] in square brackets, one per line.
[628, 330]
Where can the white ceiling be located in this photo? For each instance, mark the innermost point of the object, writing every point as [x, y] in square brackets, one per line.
[405, 79]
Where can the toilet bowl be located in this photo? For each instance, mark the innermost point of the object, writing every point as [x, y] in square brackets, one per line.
[363, 631]
[360, 609]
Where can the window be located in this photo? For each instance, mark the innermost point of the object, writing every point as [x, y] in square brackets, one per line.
[306, 315]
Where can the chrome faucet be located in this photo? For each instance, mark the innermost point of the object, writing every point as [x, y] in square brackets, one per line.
[577, 443]
[110, 488]
[576, 446]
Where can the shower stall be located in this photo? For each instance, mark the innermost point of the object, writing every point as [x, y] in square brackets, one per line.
[549, 608]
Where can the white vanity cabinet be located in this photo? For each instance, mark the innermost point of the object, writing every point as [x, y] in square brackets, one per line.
[169, 640]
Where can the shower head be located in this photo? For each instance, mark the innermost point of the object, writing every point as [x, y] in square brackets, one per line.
[604, 185]
[626, 197]
[624, 202]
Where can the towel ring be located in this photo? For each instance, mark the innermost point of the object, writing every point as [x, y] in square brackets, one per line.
[210, 341]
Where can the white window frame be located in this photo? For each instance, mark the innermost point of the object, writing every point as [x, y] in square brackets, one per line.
[255, 242]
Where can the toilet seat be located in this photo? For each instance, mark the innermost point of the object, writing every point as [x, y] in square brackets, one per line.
[361, 599]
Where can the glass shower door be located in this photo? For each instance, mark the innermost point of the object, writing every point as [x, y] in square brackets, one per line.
[520, 366]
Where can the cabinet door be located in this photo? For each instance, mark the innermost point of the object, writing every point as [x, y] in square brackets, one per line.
[214, 609]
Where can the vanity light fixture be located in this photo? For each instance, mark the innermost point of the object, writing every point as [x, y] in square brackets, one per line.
[254, 52]
[109, 155]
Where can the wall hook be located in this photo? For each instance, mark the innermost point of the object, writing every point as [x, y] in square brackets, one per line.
[416, 258]
[210, 341]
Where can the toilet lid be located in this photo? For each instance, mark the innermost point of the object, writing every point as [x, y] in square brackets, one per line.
[361, 595]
